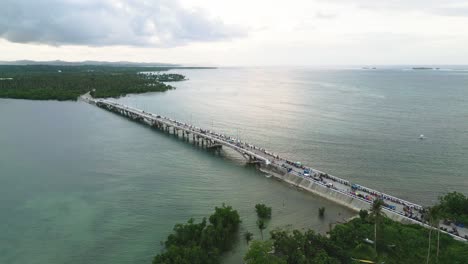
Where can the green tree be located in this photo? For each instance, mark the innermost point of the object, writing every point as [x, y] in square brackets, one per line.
[263, 211]
[433, 217]
[261, 252]
[454, 205]
[307, 247]
[201, 242]
[376, 214]
[429, 219]
[405, 244]
[363, 214]
[47, 83]
[436, 215]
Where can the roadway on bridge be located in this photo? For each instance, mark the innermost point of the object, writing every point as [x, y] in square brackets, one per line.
[393, 204]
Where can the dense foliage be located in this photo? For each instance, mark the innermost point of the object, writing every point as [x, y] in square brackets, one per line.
[398, 243]
[296, 248]
[13, 70]
[454, 205]
[371, 237]
[260, 253]
[263, 211]
[43, 82]
[201, 243]
[346, 243]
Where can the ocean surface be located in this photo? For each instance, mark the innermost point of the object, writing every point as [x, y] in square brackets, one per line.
[82, 185]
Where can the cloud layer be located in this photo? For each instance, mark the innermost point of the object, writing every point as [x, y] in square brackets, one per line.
[154, 23]
[437, 7]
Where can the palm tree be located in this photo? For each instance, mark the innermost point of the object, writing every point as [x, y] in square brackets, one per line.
[437, 215]
[433, 216]
[428, 217]
[376, 213]
[438, 240]
[261, 225]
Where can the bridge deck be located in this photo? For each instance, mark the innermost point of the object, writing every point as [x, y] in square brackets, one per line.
[411, 211]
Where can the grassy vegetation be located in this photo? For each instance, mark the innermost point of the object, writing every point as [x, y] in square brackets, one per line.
[43, 82]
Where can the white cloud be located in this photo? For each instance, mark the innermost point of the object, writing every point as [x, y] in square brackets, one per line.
[156, 23]
[294, 32]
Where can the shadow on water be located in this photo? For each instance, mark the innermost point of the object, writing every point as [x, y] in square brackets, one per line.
[220, 153]
[232, 157]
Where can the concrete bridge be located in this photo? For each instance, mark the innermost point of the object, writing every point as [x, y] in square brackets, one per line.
[205, 138]
[341, 191]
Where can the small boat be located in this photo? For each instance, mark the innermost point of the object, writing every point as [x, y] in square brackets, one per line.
[268, 176]
[422, 136]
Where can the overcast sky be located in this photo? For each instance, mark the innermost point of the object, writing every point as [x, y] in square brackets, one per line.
[237, 32]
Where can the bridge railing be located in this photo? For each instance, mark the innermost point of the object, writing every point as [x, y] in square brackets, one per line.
[223, 141]
[193, 130]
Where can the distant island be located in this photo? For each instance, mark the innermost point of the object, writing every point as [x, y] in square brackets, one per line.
[89, 63]
[424, 68]
[68, 82]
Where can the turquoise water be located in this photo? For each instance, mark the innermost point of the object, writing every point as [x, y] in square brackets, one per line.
[81, 185]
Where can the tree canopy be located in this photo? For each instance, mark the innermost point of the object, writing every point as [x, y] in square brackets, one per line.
[47, 83]
[263, 211]
[260, 253]
[454, 205]
[399, 243]
[296, 247]
[203, 242]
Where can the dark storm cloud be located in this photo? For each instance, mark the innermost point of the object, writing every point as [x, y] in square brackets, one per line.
[162, 23]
